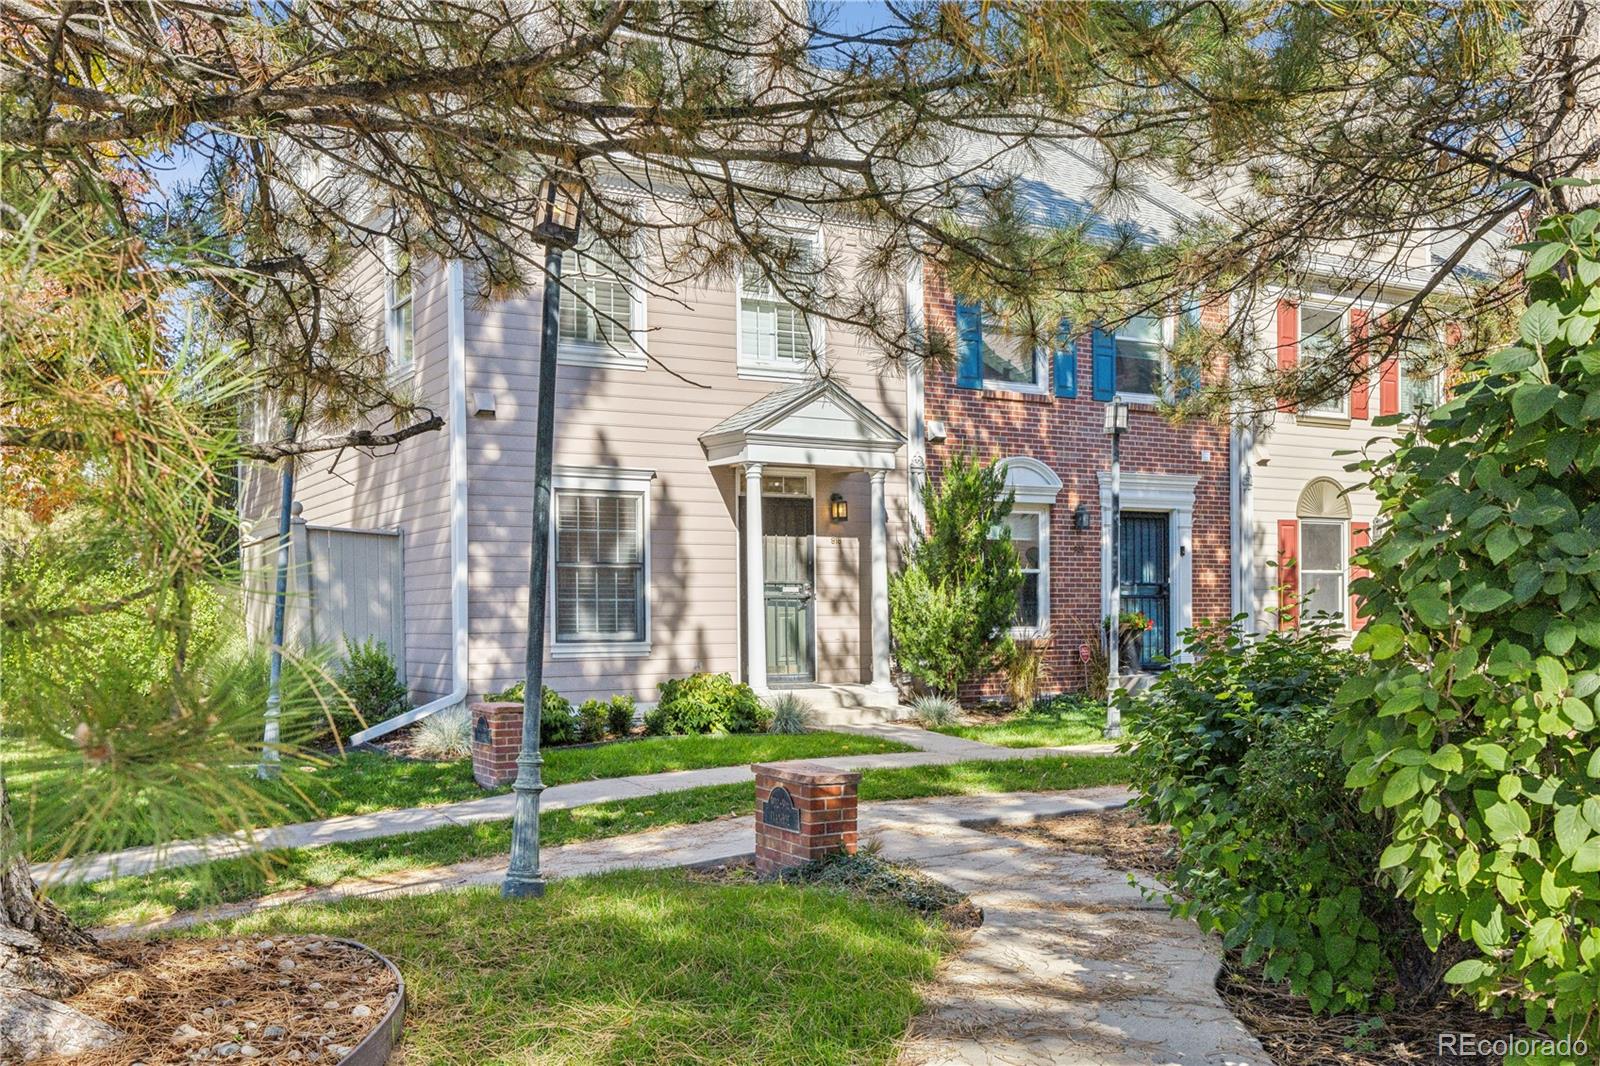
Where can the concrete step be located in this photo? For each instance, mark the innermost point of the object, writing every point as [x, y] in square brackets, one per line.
[850, 704]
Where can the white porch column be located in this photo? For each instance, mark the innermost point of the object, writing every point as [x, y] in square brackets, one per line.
[880, 582]
[755, 585]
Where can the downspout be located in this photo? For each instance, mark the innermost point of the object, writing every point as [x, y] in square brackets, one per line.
[456, 351]
[916, 411]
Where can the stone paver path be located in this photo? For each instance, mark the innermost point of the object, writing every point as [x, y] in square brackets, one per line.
[935, 749]
[1071, 967]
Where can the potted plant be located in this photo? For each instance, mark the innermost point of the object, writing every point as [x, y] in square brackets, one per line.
[1131, 628]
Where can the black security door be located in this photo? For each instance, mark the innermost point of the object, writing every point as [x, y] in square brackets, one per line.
[1147, 580]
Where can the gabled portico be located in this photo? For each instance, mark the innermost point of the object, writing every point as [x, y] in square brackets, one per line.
[781, 441]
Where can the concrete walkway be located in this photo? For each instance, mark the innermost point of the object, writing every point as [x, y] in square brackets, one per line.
[935, 749]
[1071, 966]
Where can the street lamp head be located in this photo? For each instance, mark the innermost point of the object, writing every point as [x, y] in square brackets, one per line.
[560, 201]
[1116, 415]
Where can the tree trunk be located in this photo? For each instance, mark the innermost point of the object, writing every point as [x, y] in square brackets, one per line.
[43, 958]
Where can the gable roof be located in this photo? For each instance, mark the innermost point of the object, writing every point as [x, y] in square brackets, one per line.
[816, 422]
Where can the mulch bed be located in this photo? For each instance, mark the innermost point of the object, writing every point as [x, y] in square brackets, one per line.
[1122, 839]
[1293, 1036]
[867, 877]
[283, 1000]
[1282, 1021]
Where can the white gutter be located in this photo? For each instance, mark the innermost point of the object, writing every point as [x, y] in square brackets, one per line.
[916, 410]
[456, 352]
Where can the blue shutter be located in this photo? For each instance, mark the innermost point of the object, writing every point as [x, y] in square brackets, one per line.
[1103, 349]
[969, 345]
[1066, 368]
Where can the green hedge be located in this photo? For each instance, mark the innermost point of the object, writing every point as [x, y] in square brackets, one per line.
[707, 703]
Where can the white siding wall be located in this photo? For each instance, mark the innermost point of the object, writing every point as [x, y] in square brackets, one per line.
[652, 420]
[405, 487]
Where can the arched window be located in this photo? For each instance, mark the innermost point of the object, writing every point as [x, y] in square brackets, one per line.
[1323, 552]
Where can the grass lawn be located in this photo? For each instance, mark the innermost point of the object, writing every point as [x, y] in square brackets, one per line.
[639, 967]
[361, 782]
[159, 895]
[1047, 726]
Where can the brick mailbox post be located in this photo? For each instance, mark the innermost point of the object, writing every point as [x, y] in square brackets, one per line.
[803, 812]
[496, 739]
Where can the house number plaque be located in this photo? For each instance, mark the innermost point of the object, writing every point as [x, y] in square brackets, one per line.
[780, 812]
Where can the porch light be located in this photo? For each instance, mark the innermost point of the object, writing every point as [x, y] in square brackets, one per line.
[560, 200]
[838, 508]
[1080, 516]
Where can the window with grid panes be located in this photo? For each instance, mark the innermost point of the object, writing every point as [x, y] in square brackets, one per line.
[599, 562]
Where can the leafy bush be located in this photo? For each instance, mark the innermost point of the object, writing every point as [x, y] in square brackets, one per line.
[591, 721]
[445, 734]
[1234, 750]
[707, 703]
[791, 714]
[370, 678]
[952, 606]
[619, 715]
[557, 722]
[1476, 733]
[932, 712]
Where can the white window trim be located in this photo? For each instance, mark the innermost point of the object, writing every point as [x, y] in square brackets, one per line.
[1328, 413]
[1301, 570]
[1036, 632]
[397, 371]
[1168, 336]
[630, 356]
[747, 365]
[600, 479]
[1037, 387]
[1400, 381]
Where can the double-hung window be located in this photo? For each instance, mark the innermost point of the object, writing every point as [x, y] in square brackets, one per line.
[1140, 364]
[399, 326]
[1323, 560]
[1420, 386]
[1030, 536]
[601, 579]
[776, 337]
[1321, 339]
[602, 309]
[1010, 361]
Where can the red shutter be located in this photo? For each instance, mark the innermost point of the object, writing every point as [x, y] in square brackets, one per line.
[1389, 386]
[1358, 342]
[1288, 341]
[1288, 573]
[1360, 537]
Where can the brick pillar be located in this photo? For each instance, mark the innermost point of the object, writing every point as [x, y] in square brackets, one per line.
[496, 739]
[803, 811]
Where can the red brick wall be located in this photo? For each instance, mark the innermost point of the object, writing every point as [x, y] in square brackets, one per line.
[496, 741]
[825, 800]
[1069, 437]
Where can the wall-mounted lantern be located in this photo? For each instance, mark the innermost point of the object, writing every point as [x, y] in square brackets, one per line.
[1080, 516]
[838, 508]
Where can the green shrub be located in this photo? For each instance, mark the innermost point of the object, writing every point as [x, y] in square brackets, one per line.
[1476, 732]
[619, 715]
[591, 721]
[557, 722]
[370, 679]
[707, 703]
[1234, 750]
[791, 714]
[952, 606]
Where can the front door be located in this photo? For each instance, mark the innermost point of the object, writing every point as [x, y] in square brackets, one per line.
[1146, 571]
[788, 553]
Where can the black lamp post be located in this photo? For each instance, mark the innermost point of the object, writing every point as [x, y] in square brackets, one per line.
[1116, 425]
[560, 200]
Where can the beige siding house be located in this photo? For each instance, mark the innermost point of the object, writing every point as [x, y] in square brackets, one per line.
[659, 443]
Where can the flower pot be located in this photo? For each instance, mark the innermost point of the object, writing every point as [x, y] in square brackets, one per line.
[1130, 646]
